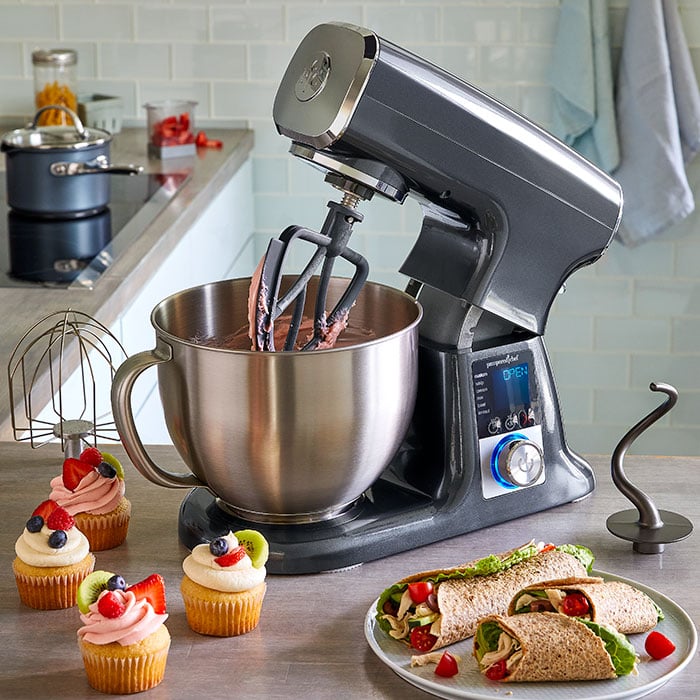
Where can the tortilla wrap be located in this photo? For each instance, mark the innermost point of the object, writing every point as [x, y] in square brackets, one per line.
[462, 602]
[553, 647]
[612, 603]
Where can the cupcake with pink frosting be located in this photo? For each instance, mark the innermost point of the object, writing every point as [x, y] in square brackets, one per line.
[123, 641]
[91, 488]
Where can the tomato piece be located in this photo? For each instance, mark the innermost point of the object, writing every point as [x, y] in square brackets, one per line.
[420, 590]
[447, 666]
[421, 639]
[548, 548]
[658, 646]
[575, 605]
[497, 671]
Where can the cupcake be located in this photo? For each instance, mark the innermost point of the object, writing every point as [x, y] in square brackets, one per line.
[224, 584]
[53, 558]
[91, 489]
[123, 641]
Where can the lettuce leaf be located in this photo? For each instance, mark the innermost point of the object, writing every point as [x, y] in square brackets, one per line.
[486, 638]
[621, 651]
[583, 554]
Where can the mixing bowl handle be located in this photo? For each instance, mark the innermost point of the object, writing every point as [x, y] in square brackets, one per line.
[122, 385]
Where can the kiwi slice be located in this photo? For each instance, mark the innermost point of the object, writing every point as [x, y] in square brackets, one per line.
[90, 588]
[256, 546]
[111, 459]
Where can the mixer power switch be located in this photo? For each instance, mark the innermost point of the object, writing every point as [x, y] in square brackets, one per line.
[517, 461]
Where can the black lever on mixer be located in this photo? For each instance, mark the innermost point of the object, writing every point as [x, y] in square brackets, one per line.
[331, 243]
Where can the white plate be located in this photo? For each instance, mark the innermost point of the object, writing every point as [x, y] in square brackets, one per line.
[469, 684]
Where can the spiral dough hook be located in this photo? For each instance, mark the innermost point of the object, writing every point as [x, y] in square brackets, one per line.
[647, 527]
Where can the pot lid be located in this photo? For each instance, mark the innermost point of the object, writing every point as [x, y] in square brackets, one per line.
[72, 137]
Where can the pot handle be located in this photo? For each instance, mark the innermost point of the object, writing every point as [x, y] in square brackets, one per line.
[77, 123]
[98, 165]
[122, 385]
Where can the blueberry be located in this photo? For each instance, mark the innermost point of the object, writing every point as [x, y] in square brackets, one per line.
[58, 539]
[218, 547]
[107, 470]
[35, 523]
[116, 583]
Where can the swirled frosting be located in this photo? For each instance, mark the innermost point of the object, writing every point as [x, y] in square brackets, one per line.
[138, 621]
[33, 548]
[202, 569]
[94, 494]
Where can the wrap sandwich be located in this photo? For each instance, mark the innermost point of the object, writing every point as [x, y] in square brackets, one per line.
[433, 609]
[612, 603]
[550, 647]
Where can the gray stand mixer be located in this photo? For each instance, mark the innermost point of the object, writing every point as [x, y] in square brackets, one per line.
[509, 214]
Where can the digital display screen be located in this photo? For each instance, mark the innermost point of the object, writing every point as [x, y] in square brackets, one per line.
[503, 394]
[511, 388]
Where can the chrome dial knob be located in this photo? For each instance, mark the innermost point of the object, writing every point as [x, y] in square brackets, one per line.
[517, 461]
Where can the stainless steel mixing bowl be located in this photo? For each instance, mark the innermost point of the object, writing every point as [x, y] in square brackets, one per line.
[278, 437]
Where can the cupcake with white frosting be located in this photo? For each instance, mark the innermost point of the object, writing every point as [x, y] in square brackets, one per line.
[53, 557]
[224, 584]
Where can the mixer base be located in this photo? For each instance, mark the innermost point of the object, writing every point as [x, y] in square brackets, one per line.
[358, 535]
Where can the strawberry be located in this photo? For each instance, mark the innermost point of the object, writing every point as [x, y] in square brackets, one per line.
[110, 605]
[232, 557]
[152, 588]
[73, 471]
[60, 519]
[91, 455]
[45, 508]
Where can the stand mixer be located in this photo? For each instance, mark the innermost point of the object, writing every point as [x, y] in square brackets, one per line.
[509, 213]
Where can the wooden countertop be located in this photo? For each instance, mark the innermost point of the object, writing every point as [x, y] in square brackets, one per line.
[310, 641]
[211, 169]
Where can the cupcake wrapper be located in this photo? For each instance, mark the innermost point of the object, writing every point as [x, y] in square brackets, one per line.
[108, 530]
[121, 673]
[52, 592]
[226, 615]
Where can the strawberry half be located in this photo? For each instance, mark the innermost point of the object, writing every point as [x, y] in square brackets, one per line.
[73, 471]
[91, 455]
[152, 588]
[45, 508]
[232, 557]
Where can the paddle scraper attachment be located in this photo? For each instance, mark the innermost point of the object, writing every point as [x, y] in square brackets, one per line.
[265, 306]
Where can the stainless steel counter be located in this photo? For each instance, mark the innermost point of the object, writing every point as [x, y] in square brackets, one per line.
[310, 640]
[211, 170]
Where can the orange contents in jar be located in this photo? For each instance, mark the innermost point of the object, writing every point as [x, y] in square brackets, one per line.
[56, 94]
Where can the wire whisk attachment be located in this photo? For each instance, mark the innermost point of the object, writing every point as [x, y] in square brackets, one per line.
[60, 375]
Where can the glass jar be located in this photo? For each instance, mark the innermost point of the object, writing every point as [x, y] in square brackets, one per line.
[55, 84]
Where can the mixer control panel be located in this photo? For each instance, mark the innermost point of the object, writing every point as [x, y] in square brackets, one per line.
[508, 423]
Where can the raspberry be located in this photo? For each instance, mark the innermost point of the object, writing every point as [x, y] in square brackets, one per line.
[91, 455]
[60, 519]
[110, 605]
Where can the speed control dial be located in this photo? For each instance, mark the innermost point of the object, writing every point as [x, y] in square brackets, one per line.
[517, 461]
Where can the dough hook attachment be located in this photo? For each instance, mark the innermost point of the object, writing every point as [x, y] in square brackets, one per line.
[648, 528]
